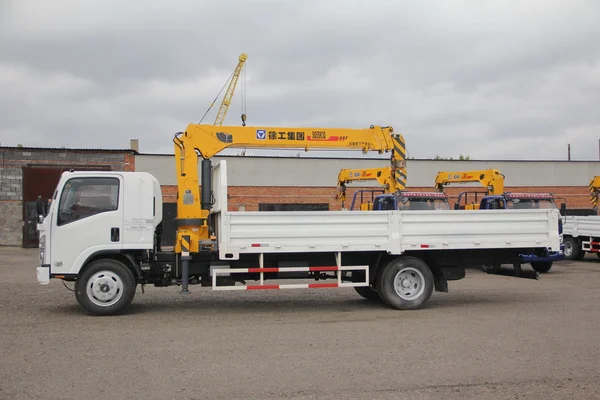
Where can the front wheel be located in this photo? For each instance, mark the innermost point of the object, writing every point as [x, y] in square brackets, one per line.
[405, 283]
[572, 250]
[106, 287]
[542, 266]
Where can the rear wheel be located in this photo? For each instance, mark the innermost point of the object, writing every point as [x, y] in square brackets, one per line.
[106, 287]
[405, 283]
[542, 266]
[572, 250]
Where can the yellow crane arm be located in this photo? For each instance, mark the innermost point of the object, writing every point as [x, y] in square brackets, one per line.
[230, 89]
[386, 177]
[594, 188]
[491, 179]
[205, 141]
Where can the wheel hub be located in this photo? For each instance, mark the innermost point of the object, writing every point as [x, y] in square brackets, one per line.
[104, 288]
[409, 283]
[568, 249]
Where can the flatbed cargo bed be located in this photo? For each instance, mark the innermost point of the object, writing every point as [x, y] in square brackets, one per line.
[394, 232]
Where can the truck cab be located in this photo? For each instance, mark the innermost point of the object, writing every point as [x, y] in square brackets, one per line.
[403, 201]
[411, 201]
[518, 201]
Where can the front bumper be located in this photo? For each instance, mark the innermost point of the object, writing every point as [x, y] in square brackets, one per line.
[43, 274]
[551, 256]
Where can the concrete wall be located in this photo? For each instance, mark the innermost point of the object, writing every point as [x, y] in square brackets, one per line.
[12, 159]
[269, 171]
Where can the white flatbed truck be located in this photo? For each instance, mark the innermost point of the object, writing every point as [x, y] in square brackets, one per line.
[111, 244]
[581, 235]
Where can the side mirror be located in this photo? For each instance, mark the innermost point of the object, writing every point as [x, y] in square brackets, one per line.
[39, 205]
[563, 209]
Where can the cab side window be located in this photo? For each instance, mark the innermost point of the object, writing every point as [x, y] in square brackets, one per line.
[84, 197]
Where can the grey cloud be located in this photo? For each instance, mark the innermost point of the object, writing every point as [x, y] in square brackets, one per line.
[495, 79]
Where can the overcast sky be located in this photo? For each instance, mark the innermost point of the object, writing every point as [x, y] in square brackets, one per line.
[491, 79]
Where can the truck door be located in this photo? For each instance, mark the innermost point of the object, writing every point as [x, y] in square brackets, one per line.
[87, 218]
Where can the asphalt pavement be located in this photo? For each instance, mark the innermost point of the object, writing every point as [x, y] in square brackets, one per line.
[490, 337]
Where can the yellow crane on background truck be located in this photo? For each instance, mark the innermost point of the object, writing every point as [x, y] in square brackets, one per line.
[392, 195]
[491, 179]
[594, 187]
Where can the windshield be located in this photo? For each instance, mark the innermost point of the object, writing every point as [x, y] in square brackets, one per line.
[529, 204]
[424, 204]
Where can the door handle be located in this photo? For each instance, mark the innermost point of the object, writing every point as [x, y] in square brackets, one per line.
[114, 235]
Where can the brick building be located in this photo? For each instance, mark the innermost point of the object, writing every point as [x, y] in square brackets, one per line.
[27, 172]
[259, 183]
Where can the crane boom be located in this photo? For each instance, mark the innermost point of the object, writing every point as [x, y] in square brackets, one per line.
[391, 181]
[205, 141]
[594, 188]
[230, 89]
[491, 179]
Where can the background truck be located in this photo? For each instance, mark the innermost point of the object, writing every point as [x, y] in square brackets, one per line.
[375, 199]
[495, 198]
[491, 179]
[392, 195]
[581, 233]
[529, 201]
[102, 231]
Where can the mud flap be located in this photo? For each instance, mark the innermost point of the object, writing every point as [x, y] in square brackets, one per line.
[441, 284]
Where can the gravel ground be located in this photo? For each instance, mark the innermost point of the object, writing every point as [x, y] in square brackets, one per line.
[491, 337]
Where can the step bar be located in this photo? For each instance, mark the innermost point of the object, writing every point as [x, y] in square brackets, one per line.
[262, 270]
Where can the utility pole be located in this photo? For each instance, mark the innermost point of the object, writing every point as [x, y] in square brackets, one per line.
[569, 151]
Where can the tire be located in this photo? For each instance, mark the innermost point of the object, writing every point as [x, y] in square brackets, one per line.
[405, 283]
[368, 293]
[106, 287]
[572, 250]
[542, 266]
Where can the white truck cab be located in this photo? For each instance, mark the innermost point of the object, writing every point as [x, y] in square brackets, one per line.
[94, 213]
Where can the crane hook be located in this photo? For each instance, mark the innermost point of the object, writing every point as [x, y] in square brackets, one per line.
[243, 119]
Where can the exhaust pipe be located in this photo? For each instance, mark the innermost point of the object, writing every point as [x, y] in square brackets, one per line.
[517, 272]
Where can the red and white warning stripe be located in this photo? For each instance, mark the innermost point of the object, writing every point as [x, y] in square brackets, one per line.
[262, 286]
[277, 287]
[291, 269]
